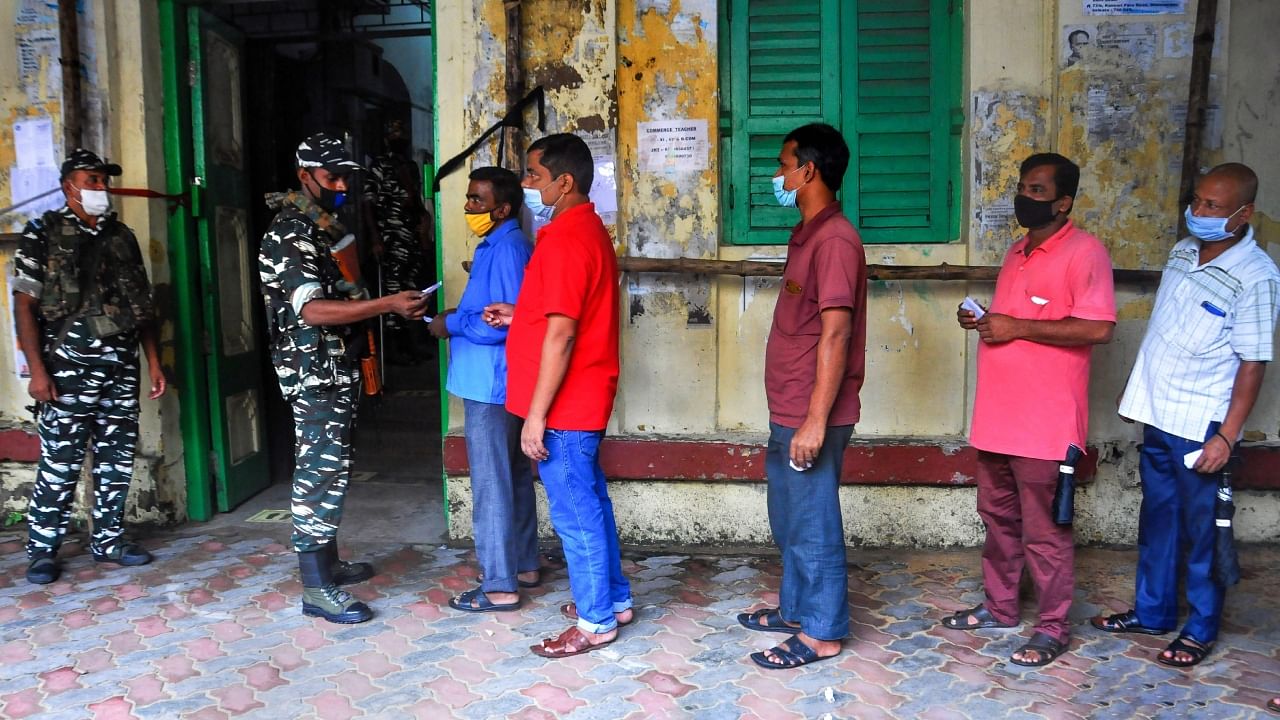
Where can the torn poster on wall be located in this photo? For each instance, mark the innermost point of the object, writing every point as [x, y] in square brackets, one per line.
[671, 146]
[38, 53]
[604, 184]
[1133, 43]
[1135, 7]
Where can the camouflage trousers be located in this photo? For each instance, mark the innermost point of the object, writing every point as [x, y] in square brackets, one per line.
[322, 421]
[403, 266]
[98, 404]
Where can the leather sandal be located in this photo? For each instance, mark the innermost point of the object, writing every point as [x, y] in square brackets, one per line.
[960, 620]
[1045, 647]
[570, 610]
[792, 653]
[1125, 622]
[766, 620]
[476, 601]
[1193, 648]
[569, 643]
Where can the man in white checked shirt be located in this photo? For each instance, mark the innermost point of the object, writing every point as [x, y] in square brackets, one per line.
[1193, 385]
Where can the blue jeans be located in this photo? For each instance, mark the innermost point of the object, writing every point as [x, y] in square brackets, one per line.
[503, 510]
[804, 516]
[1176, 516]
[583, 518]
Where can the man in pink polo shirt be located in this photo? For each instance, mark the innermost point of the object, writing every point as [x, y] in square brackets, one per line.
[1054, 301]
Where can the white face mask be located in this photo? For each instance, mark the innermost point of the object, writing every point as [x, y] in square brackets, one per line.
[94, 202]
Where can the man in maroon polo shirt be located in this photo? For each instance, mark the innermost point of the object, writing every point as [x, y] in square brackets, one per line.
[813, 371]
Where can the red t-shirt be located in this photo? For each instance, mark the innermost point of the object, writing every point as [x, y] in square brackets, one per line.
[826, 268]
[573, 272]
[1033, 399]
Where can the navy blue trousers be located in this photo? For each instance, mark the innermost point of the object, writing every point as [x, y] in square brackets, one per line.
[1175, 533]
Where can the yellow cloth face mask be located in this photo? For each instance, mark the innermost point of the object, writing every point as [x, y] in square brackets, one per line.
[480, 223]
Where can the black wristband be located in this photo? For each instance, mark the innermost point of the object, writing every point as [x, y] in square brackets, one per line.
[1230, 445]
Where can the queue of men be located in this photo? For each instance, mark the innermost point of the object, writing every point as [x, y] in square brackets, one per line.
[534, 342]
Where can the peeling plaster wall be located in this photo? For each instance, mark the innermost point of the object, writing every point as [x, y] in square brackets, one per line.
[568, 48]
[1116, 109]
[666, 60]
[122, 119]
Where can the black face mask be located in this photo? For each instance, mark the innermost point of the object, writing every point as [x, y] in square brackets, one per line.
[1032, 213]
[328, 200]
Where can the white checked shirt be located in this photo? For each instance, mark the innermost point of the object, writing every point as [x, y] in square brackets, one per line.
[1207, 319]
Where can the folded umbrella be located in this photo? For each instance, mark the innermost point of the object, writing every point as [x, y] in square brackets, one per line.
[1064, 496]
[1226, 562]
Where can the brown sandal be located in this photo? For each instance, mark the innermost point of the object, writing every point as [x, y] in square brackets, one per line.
[570, 642]
[570, 610]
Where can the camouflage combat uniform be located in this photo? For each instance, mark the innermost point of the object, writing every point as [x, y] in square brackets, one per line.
[404, 262]
[89, 344]
[319, 374]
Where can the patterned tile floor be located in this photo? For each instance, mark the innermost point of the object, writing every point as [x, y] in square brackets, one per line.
[212, 630]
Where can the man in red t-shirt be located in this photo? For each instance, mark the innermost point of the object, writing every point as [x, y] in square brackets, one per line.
[1053, 302]
[813, 370]
[562, 360]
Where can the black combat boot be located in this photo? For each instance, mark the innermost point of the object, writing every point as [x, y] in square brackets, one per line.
[321, 598]
[343, 572]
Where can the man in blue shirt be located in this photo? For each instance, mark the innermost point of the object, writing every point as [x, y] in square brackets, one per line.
[504, 522]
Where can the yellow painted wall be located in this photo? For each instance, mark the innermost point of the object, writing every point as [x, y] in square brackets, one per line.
[123, 115]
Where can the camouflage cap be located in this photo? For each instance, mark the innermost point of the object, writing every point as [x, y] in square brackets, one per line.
[81, 159]
[323, 150]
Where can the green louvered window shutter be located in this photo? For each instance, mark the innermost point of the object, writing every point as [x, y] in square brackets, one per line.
[783, 71]
[900, 106]
[886, 72]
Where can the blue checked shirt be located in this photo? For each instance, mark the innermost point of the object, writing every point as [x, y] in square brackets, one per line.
[477, 352]
[1207, 319]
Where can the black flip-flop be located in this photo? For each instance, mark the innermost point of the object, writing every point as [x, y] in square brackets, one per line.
[792, 653]
[482, 603]
[1197, 652]
[773, 616]
[1125, 622]
[1046, 647]
[960, 620]
[1273, 705]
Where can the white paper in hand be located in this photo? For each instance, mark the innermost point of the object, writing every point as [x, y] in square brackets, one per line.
[1190, 458]
[972, 306]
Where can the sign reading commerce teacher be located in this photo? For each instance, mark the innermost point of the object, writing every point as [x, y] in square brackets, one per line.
[667, 146]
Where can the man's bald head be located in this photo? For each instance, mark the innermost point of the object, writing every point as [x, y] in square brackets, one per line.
[1241, 177]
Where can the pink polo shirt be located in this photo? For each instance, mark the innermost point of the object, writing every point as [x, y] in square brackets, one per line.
[1033, 399]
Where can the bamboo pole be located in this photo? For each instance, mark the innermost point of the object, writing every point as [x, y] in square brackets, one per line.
[758, 268]
[1197, 96]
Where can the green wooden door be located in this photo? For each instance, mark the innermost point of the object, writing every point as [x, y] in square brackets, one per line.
[228, 261]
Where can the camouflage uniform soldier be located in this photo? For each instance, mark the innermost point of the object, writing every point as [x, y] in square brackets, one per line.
[396, 187]
[310, 312]
[81, 303]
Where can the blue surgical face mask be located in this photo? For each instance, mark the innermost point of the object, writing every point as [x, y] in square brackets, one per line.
[540, 210]
[786, 198]
[533, 201]
[1209, 229]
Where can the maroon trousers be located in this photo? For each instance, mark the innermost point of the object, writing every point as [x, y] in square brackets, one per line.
[1015, 498]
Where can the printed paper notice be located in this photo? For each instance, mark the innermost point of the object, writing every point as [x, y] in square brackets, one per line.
[33, 142]
[1135, 7]
[671, 146]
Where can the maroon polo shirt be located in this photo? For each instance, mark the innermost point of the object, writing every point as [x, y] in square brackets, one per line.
[826, 268]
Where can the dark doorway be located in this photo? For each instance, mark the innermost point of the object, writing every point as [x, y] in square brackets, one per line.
[346, 67]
